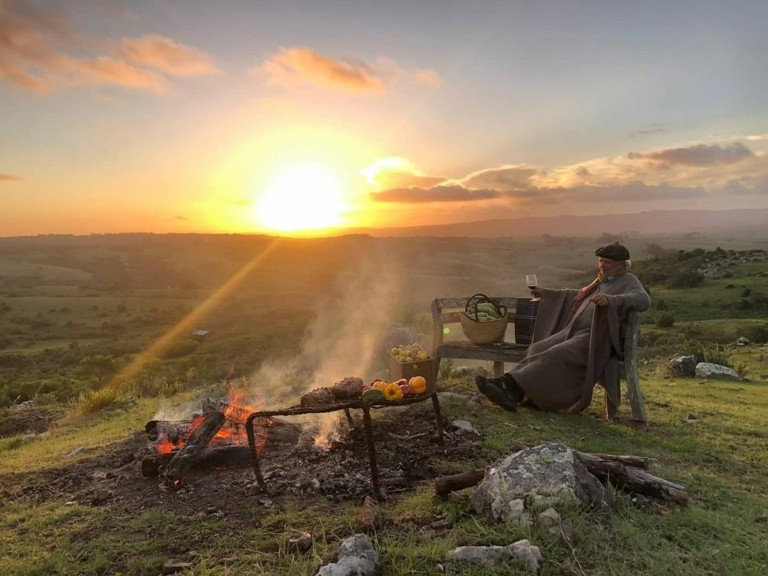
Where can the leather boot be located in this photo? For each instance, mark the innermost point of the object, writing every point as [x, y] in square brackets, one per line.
[495, 390]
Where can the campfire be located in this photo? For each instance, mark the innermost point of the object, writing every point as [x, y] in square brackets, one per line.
[214, 437]
[231, 433]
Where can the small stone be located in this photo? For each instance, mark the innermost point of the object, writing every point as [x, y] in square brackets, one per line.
[173, 565]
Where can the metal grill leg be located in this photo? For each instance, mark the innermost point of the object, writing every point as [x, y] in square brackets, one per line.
[371, 451]
[255, 453]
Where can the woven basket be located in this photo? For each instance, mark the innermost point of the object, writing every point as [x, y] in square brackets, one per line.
[484, 332]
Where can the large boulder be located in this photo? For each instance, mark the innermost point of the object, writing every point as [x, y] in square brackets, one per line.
[709, 370]
[545, 475]
[684, 366]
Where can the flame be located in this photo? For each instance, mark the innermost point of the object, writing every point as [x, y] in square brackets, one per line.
[232, 433]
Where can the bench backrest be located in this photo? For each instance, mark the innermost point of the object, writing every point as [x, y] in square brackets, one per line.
[521, 313]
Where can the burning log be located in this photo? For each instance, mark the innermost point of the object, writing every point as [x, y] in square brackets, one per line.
[628, 473]
[195, 444]
[231, 411]
[218, 439]
[175, 433]
[211, 457]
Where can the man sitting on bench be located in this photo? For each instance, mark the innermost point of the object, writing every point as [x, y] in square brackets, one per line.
[576, 333]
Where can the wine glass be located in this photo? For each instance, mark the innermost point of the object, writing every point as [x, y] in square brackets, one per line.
[531, 281]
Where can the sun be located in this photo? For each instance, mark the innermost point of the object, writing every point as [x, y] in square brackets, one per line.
[300, 198]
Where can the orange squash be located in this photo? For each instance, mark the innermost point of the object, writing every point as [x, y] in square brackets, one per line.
[417, 384]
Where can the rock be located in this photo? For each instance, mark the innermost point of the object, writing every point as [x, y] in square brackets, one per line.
[682, 366]
[464, 426]
[369, 518]
[549, 518]
[547, 474]
[172, 566]
[301, 541]
[709, 370]
[512, 511]
[356, 558]
[519, 552]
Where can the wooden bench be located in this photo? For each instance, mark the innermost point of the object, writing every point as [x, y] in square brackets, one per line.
[448, 341]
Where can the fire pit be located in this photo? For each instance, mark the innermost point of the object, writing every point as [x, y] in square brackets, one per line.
[227, 434]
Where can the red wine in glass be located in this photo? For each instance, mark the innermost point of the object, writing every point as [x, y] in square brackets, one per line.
[531, 281]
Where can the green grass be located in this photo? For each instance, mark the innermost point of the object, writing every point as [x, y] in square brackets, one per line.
[719, 457]
[707, 435]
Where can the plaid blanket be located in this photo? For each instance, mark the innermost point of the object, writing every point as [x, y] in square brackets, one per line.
[525, 320]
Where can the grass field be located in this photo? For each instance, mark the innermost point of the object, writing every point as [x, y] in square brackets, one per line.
[98, 335]
[719, 457]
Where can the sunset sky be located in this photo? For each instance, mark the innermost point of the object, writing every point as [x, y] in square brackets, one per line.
[300, 116]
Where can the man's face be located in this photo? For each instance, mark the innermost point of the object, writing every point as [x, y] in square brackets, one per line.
[609, 267]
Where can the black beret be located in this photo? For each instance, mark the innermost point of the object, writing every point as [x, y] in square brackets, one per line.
[613, 251]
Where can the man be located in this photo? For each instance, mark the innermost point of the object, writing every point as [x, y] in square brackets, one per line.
[576, 333]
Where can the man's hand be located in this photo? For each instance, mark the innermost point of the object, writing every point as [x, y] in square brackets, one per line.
[599, 300]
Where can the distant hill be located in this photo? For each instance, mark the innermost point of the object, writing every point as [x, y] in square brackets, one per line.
[651, 222]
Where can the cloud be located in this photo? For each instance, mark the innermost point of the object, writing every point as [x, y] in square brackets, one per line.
[300, 66]
[698, 155]
[395, 172]
[721, 172]
[37, 54]
[8, 178]
[441, 193]
[105, 71]
[428, 77]
[297, 66]
[502, 178]
[396, 179]
[168, 56]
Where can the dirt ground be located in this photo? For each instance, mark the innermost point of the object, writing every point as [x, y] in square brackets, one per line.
[407, 449]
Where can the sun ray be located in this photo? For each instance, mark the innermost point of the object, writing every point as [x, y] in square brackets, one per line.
[186, 324]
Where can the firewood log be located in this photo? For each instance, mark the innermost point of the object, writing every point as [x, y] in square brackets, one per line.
[196, 443]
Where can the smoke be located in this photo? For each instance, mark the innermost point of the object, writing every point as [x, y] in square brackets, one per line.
[176, 412]
[351, 324]
[346, 338]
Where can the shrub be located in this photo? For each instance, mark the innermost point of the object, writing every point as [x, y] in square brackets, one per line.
[713, 354]
[685, 279]
[94, 401]
[661, 305]
[181, 348]
[741, 369]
